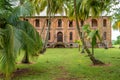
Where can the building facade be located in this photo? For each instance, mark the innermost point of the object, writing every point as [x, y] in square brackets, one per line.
[63, 31]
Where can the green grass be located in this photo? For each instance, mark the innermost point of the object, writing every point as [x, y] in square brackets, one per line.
[116, 46]
[69, 64]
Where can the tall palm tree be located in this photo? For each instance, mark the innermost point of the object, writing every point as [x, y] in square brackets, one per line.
[82, 10]
[52, 7]
[15, 35]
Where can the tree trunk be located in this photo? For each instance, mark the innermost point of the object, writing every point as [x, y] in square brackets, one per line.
[105, 46]
[26, 58]
[92, 50]
[83, 51]
[47, 35]
[92, 58]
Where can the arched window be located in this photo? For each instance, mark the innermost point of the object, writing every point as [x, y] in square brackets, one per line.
[37, 22]
[104, 35]
[59, 37]
[104, 22]
[70, 23]
[71, 35]
[49, 36]
[59, 23]
[94, 23]
[71, 45]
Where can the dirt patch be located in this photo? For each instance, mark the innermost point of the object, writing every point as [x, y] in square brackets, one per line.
[63, 70]
[65, 74]
[1, 75]
[20, 72]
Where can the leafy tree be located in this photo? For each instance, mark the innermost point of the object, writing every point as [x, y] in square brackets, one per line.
[15, 35]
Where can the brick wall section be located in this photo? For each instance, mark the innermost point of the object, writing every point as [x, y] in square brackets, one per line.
[65, 29]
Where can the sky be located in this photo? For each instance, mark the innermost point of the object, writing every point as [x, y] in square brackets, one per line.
[115, 33]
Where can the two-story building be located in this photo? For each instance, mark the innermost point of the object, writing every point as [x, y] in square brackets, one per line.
[63, 31]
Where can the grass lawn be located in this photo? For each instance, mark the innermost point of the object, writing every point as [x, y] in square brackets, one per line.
[69, 64]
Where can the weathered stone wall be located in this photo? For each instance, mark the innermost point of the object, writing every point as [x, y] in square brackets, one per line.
[65, 29]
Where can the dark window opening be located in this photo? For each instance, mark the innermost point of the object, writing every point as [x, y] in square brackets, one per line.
[71, 45]
[25, 19]
[59, 37]
[104, 22]
[81, 22]
[81, 33]
[94, 23]
[37, 22]
[71, 23]
[48, 45]
[104, 35]
[59, 23]
[71, 35]
[47, 22]
[49, 36]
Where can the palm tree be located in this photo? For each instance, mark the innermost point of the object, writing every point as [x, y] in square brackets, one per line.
[82, 10]
[92, 35]
[15, 35]
[52, 7]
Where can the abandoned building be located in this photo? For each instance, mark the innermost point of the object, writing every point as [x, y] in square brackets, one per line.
[63, 31]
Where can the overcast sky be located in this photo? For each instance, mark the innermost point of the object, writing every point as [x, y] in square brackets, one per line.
[115, 34]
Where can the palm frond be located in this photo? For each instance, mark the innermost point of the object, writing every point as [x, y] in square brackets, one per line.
[7, 60]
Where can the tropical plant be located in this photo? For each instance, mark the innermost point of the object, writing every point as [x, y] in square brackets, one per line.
[92, 35]
[83, 9]
[79, 44]
[116, 19]
[15, 35]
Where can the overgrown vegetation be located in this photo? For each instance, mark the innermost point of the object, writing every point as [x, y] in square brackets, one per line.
[69, 64]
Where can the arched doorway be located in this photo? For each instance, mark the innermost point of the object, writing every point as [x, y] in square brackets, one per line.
[59, 37]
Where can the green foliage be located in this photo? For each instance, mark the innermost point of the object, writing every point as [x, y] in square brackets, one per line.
[16, 35]
[7, 57]
[79, 42]
[92, 35]
[67, 63]
[115, 42]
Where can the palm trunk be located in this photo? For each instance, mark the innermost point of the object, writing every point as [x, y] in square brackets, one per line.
[47, 35]
[83, 51]
[42, 28]
[104, 45]
[92, 50]
[92, 58]
[26, 58]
